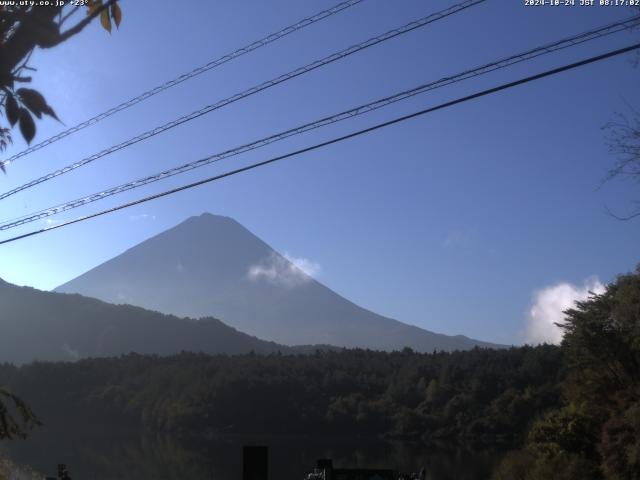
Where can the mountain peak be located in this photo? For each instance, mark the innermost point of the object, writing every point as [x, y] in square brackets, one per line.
[211, 216]
[208, 220]
[207, 217]
[211, 265]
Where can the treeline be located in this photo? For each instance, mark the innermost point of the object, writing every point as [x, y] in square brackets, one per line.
[477, 397]
[565, 412]
[595, 433]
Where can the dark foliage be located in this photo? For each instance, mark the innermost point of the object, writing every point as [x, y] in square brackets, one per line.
[595, 433]
[479, 397]
[16, 418]
[25, 26]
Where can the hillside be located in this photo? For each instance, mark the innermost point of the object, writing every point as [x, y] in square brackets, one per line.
[38, 325]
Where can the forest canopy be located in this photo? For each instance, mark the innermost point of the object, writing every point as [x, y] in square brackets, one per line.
[564, 412]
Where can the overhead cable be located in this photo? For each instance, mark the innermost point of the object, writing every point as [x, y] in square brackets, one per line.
[251, 91]
[388, 123]
[362, 109]
[186, 76]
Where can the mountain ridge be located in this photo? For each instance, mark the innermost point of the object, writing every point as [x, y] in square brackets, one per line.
[211, 265]
[49, 326]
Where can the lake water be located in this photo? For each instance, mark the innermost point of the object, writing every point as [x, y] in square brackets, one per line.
[145, 456]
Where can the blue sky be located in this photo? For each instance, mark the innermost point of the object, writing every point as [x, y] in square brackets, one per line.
[453, 222]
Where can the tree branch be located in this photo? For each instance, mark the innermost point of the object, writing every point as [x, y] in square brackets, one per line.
[78, 27]
[623, 217]
[66, 17]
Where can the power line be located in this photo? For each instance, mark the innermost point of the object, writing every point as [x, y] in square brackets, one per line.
[251, 91]
[467, 74]
[441, 106]
[193, 73]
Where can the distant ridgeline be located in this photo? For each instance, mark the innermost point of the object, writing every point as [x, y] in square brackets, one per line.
[212, 266]
[37, 325]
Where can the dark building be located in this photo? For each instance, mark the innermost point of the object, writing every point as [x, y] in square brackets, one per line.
[255, 463]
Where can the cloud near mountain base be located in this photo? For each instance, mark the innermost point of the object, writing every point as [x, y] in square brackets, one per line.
[286, 271]
[548, 306]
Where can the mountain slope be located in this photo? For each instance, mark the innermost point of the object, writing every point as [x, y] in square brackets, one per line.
[212, 266]
[36, 325]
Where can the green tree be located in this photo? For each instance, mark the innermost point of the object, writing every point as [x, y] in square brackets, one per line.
[23, 28]
[596, 433]
[16, 418]
[603, 344]
[602, 341]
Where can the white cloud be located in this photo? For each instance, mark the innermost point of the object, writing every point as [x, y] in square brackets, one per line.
[142, 216]
[287, 271]
[548, 306]
[309, 267]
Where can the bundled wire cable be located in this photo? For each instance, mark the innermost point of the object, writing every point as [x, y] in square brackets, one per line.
[184, 77]
[362, 109]
[388, 123]
[424, 21]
